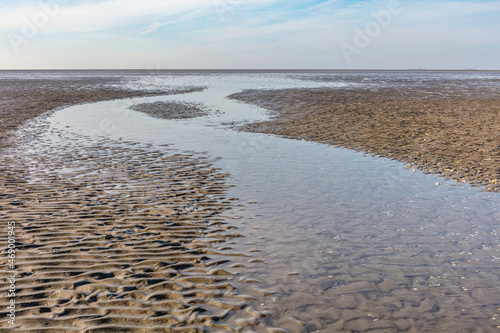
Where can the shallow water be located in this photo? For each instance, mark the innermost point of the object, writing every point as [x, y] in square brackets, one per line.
[338, 240]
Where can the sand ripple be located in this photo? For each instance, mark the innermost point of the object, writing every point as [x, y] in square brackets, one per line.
[119, 239]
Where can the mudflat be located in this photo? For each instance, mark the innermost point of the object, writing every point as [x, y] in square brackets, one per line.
[454, 133]
[120, 235]
[111, 236]
[25, 99]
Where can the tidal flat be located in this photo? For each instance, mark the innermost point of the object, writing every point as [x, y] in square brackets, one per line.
[182, 201]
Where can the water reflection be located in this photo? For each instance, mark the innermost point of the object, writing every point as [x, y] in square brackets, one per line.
[340, 241]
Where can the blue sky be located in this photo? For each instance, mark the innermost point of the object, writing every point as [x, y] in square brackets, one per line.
[334, 34]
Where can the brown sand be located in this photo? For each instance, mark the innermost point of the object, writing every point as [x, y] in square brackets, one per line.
[125, 239]
[21, 100]
[171, 110]
[454, 133]
[119, 237]
[114, 236]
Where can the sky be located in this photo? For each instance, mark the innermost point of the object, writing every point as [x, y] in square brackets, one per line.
[249, 34]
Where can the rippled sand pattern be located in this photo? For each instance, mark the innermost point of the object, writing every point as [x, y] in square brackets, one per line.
[122, 236]
[118, 239]
[368, 276]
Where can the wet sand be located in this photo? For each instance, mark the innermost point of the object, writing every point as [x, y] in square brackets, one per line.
[171, 110]
[121, 237]
[453, 133]
[114, 236]
[22, 100]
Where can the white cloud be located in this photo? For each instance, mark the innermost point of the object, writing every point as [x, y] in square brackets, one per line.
[113, 14]
[304, 36]
[155, 25]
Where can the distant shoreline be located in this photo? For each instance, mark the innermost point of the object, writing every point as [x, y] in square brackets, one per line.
[247, 70]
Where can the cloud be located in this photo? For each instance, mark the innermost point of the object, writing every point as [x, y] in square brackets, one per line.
[155, 25]
[302, 32]
[115, 14]
[422, 11]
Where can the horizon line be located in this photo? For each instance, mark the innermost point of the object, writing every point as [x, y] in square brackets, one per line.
[244, 69]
